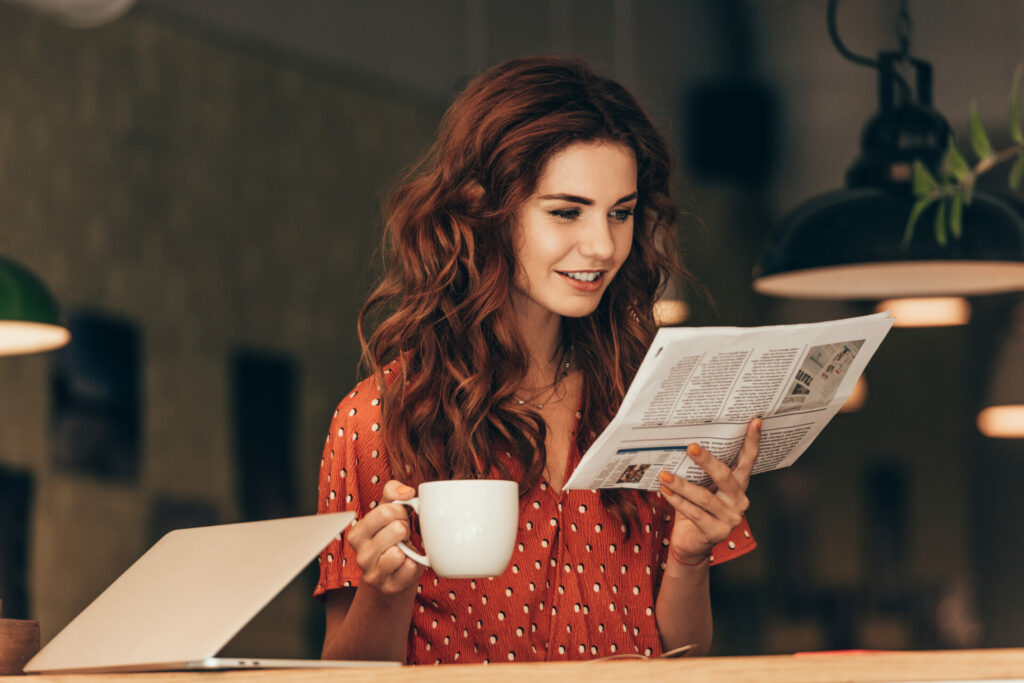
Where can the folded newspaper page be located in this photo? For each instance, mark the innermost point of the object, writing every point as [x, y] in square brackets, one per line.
[704, 385]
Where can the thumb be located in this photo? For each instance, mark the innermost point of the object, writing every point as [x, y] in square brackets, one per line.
[396, 490]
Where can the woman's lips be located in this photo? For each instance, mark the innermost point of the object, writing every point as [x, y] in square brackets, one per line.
[581, 285]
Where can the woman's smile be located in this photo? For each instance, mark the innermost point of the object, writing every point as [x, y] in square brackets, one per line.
[584, 280]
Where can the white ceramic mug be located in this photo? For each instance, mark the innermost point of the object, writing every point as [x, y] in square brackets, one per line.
[468, 526]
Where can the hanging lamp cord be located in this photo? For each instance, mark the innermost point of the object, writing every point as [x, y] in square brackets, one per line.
[903, 27]
[903, 36]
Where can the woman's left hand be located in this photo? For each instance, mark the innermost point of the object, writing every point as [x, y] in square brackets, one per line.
[705, 516]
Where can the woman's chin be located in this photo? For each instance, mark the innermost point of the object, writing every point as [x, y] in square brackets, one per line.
[576, 311]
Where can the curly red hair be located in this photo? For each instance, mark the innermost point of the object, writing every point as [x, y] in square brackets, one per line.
[444, 305]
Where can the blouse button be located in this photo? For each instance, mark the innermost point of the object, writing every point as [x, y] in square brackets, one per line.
[732, 545]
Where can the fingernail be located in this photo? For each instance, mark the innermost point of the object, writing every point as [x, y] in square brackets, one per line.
[403, 489]
[665, 476]
[757, 424]
[693, 449]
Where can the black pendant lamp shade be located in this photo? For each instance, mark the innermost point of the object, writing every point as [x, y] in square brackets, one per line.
[849, 243]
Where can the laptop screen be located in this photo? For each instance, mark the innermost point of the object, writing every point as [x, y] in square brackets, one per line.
[189, 594]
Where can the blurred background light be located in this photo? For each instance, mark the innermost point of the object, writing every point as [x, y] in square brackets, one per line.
[936, 311]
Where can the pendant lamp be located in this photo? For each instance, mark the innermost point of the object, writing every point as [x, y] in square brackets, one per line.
[858, 397]
[80, 14]
[849, 243]
[927, 311]
[671, 307]
[29, 320]
[28, 323]
[1002, 413]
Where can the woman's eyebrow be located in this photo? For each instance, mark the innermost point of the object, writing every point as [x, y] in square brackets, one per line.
[576, 199]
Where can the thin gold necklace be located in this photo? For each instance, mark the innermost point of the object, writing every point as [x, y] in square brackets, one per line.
[551, 390]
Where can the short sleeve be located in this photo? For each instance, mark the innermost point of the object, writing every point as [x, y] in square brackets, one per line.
[353, 471]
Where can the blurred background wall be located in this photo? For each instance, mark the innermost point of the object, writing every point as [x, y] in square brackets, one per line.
[199, 184]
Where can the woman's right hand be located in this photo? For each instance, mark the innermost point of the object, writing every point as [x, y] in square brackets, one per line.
[372, 620]
[375, 537]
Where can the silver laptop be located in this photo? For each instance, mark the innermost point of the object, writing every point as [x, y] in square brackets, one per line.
[188, 595]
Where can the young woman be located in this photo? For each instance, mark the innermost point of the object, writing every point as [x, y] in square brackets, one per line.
[525, 255]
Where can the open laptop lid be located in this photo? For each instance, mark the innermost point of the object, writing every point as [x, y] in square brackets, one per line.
[188, 595]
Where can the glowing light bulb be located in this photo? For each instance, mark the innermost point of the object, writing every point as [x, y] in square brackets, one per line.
[858, 397]
[1002, 422]
[670, 312]
[940, 311]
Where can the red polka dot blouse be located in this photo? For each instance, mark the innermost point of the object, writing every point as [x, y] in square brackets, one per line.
[576, 586]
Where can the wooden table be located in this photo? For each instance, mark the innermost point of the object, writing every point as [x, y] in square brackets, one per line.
[813, 668]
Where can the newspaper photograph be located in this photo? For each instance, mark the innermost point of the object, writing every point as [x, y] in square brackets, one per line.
[704, 385]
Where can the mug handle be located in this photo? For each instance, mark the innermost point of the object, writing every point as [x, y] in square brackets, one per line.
[414, 503]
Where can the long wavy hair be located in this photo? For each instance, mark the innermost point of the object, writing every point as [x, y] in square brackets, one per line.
[444, 307]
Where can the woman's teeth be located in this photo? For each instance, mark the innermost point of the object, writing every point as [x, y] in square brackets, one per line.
[583, 277]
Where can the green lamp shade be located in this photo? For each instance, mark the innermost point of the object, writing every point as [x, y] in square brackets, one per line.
[29, 320]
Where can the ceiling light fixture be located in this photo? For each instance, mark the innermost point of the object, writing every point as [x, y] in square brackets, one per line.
[29, 320]
[1002, 413]
[80, 14]
[849, 243]
[928, 311]
[858, 397]
[671, 308]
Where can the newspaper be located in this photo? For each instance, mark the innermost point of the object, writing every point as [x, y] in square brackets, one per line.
[704, 385]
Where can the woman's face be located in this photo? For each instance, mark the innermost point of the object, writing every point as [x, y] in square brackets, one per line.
[575, 230]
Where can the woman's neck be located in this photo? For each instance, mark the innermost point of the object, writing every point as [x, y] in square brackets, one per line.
[542, 335]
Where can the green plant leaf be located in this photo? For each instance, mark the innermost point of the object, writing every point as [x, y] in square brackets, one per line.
[923, 181]
[940, 224]
[1015, 131]
[919, 206]
[979, 139]
[955, 164]
[956, 211]
[1017, 172]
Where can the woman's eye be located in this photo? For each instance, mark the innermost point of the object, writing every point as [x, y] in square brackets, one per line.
[565, 214]
[621, 215]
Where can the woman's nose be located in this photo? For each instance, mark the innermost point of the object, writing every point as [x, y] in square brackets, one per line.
[596, 240]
